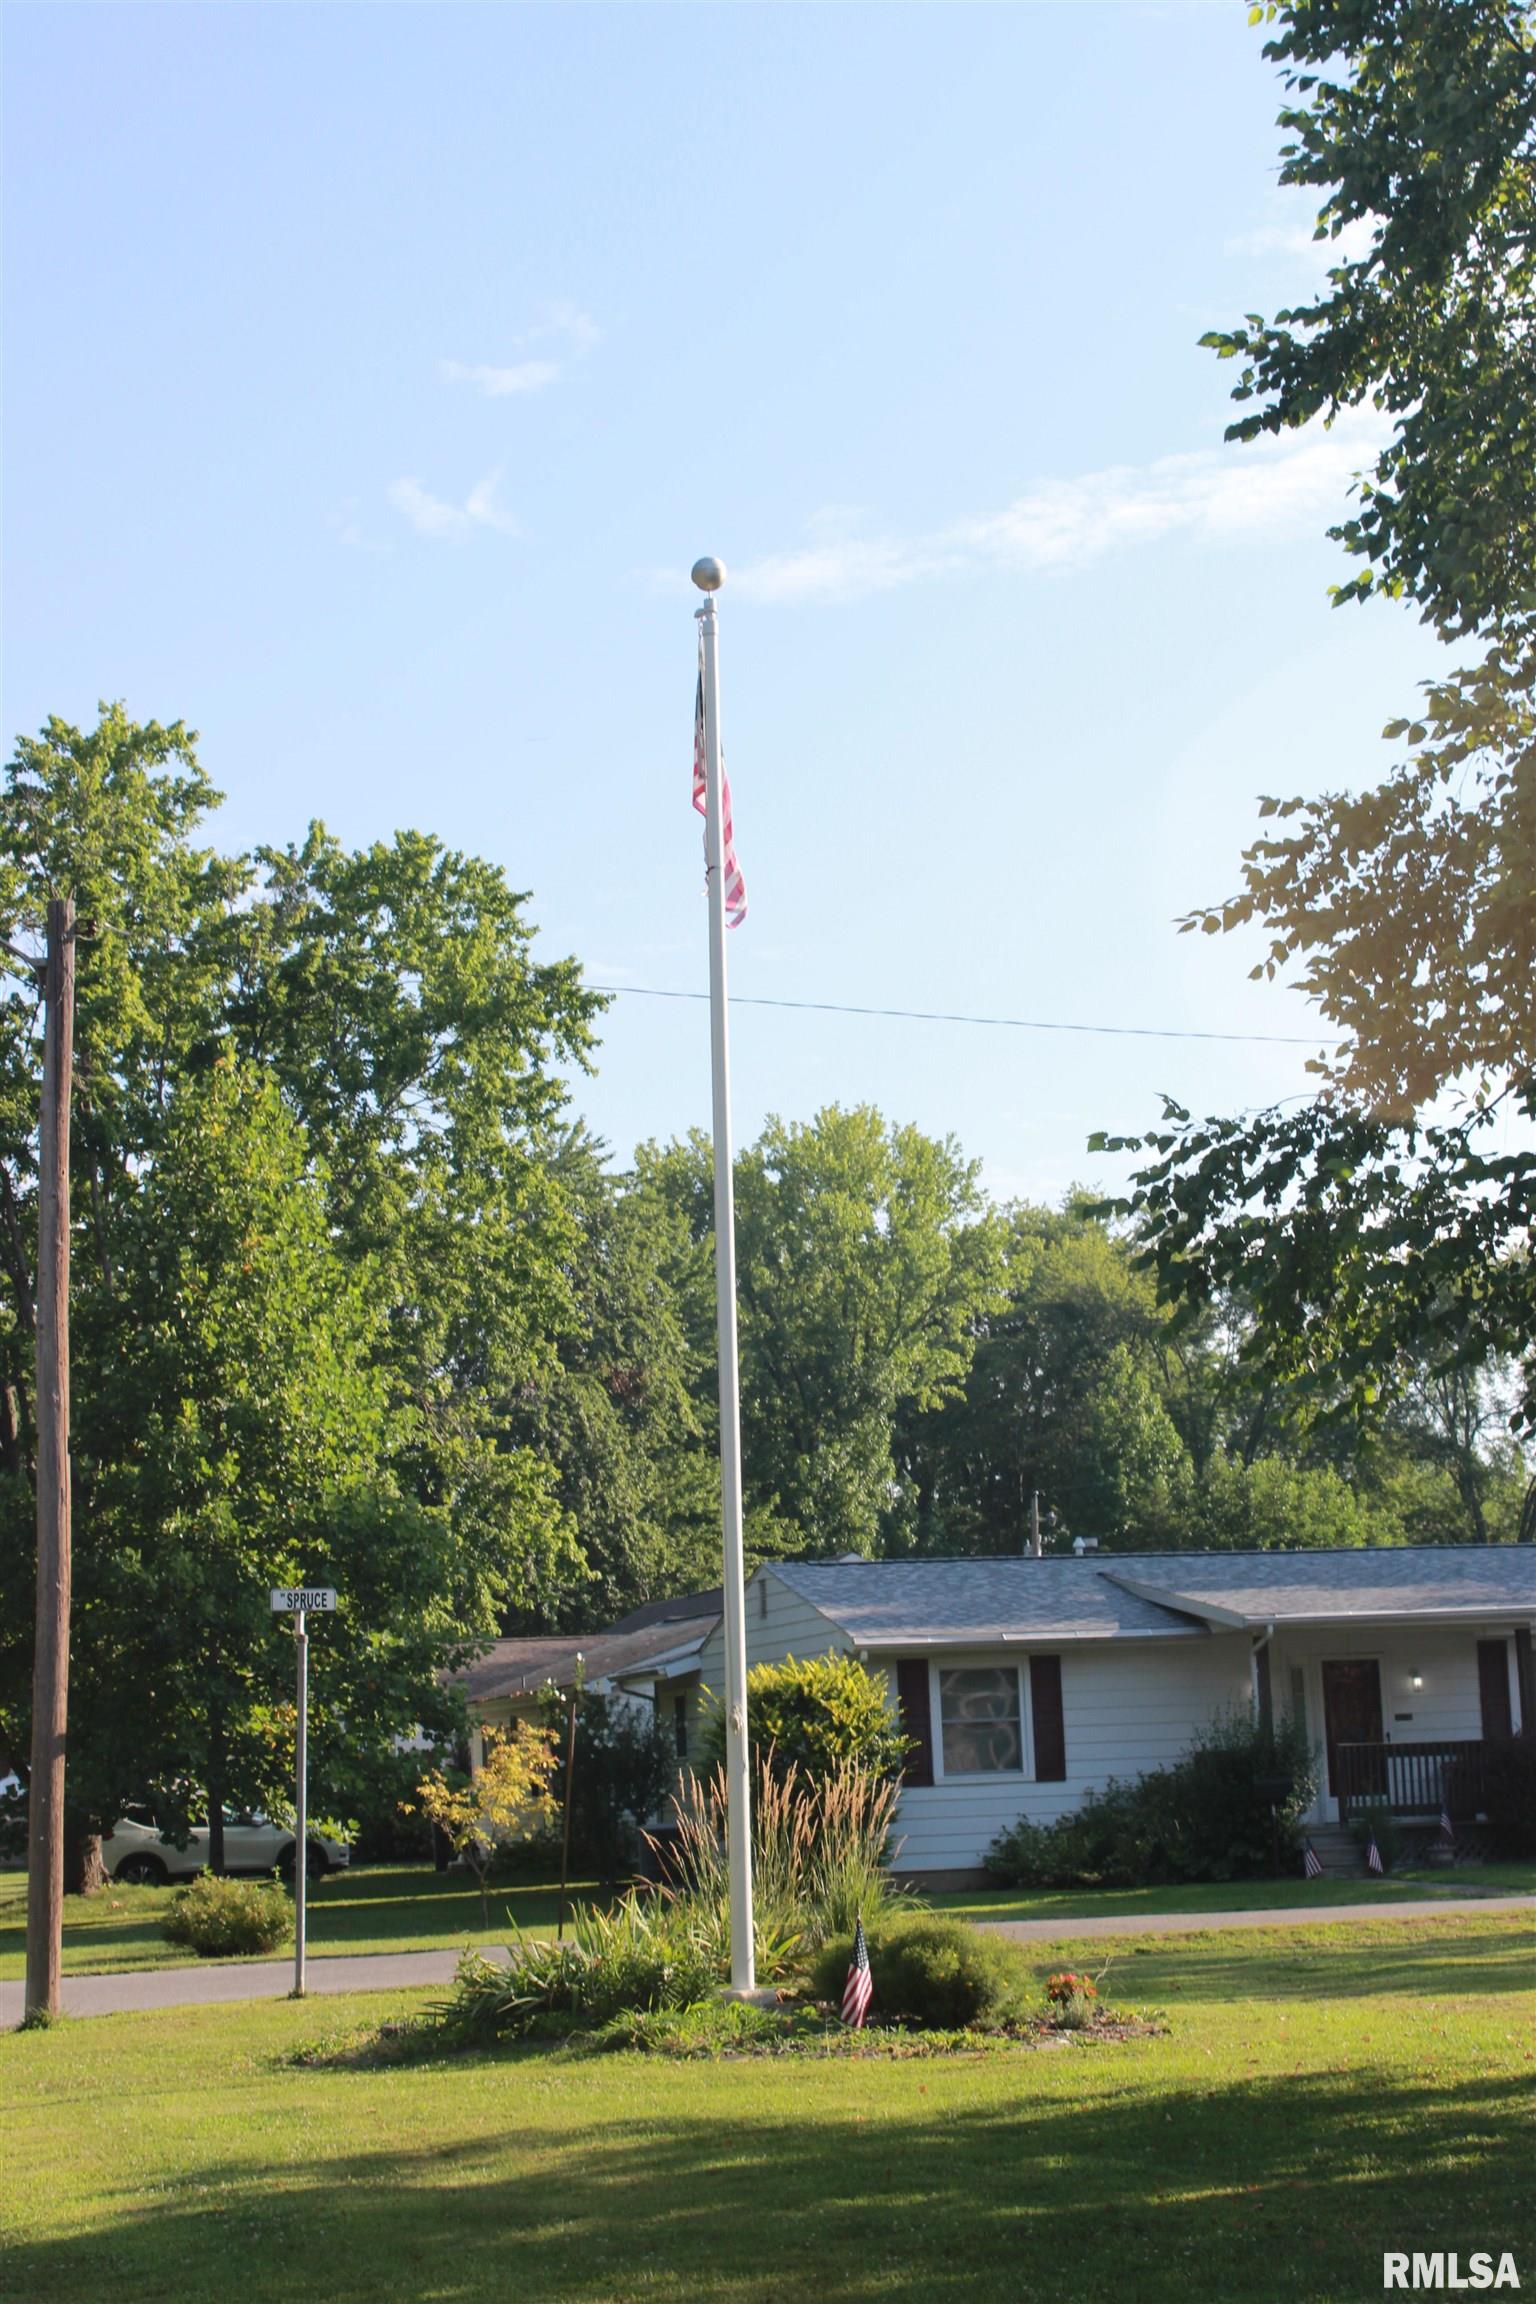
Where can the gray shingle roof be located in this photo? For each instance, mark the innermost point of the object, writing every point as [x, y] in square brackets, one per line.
[918, 1603]
[518, 1667]
[1379, 1581]
[934, 1603]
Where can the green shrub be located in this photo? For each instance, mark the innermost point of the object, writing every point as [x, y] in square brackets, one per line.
[817, 1714]
[708, 2028]
[638, 1957]
[1509, 1794]
[934, 1974]
[223, 1918]
[1205, 1818]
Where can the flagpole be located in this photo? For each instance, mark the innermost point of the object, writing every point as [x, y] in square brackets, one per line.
[709, 575]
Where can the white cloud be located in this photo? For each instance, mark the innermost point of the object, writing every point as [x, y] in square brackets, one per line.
[1270, 486]
[566, 321]
[501, 383]
[433, 515]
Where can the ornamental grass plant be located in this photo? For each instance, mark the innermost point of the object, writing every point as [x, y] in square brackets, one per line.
[820, 1848]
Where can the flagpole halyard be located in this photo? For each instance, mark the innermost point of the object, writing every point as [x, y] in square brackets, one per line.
[709, 575]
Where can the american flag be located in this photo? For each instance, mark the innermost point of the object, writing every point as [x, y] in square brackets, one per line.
[1373, 1862]
[1312, 1863]
[735, 887]
[859, 1989]
[1447, 1828]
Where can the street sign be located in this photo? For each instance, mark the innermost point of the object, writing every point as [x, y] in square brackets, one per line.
[299, 1598]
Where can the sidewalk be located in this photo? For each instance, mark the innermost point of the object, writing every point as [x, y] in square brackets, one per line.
[240, 1980]
[151, 1988]
[1193, 1923]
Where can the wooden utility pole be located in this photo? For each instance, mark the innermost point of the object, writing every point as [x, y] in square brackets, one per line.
[50, 1670]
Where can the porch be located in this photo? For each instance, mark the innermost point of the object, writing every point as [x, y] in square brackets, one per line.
[1400, 1716]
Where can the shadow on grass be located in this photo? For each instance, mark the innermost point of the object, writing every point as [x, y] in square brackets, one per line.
[836, 2188]
[398, 1905]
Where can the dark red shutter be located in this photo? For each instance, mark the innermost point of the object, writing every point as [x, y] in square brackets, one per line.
[1493, 1688]
[1525, 1680]
[916, 1717]
[1046, 1717]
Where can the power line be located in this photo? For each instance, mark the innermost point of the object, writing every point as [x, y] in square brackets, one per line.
[1008, 1023]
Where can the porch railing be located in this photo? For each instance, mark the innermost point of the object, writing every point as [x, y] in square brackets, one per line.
[1411, 1779]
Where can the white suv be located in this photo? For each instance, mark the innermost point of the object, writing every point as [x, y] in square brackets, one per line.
[136, 1848]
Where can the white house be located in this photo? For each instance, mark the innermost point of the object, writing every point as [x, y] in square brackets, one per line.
[1026, 1683]
[651, 1659]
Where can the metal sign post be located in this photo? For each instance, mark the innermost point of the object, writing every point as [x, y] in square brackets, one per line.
[301, 1804]
[297, 1600]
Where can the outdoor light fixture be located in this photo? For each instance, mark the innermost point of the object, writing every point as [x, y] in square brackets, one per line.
[1415, 1679]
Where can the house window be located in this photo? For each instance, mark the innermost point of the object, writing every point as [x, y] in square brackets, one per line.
[680, 1725]
[981, 1721]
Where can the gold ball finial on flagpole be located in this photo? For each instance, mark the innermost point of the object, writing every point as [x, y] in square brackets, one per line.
[708, 573]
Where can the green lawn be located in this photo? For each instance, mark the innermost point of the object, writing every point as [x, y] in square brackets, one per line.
[1240, 1895]
[409, 1907]
[377, 1908]
[1321, 2096]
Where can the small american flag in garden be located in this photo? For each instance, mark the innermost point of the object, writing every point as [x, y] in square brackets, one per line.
[1312, 1863]
[1373, 1862]
[1447, 1828]
[735, 890]
[860, 1987]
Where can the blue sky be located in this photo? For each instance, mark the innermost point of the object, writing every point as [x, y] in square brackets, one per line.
[376, 373]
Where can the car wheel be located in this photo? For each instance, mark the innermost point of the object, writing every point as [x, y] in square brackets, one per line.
[315, 1865]
[142, 1870]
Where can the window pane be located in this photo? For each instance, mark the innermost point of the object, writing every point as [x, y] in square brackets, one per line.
[979, 1719]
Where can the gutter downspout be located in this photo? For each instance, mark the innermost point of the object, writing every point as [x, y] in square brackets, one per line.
[1263, 1701]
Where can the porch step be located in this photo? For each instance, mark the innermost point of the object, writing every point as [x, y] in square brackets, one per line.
[1337, 1851]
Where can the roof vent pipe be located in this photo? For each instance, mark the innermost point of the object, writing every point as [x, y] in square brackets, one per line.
[1082, 1544]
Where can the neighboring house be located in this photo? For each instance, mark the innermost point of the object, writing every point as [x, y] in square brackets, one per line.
[1027, 1683]
[651, 1658]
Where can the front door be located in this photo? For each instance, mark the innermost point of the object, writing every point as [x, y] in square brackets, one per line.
[1351, 1713]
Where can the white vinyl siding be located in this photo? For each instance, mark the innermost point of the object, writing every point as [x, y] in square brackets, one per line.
[1126, 1706]
[789, 1626]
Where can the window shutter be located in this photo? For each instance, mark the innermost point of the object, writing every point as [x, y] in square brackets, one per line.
[1493, 1688]
[916, 1717]
[1046, 1719]
[1525, 1680]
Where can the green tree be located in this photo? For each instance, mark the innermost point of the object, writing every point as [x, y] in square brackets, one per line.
[1416, 121]
[1066, 1396]
[1377, 1240]
[234, 1433]
[619, 1412]
[865, 1255]
[394, 995]
[360, 1053]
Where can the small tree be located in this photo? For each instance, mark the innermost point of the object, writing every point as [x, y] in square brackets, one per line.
[508, 1799]
[817, 1714]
